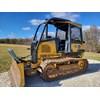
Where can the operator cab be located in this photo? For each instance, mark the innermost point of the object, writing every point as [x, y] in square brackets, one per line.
[63, 31]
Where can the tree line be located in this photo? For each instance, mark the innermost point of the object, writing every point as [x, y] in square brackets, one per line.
[91, 38]
[16, 41]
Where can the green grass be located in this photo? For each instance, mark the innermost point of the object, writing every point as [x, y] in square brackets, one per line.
[21, 51]
[5, 58]
[91, 55]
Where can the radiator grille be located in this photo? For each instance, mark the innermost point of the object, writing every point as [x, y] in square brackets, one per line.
[45, 49]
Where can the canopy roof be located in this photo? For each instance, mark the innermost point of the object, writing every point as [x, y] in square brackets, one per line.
[62, 23]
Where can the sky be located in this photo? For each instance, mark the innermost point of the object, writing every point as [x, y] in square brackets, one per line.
[24, 24]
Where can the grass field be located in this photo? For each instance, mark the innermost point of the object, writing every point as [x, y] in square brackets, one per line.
[91, 55]
[21, 51]
[5, 58]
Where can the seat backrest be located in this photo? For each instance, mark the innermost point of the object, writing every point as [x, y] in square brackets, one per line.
[13, 55]
[57, 43]
[62, 45]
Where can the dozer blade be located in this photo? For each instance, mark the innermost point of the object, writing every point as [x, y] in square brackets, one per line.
[17, 70]
[61, 68]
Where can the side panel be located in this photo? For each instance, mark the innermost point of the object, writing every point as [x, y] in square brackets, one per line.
[46, 49]
[77, 46]
[78, 49]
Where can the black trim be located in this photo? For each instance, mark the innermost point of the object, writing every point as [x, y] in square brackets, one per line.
[49, 39]
[81, 35]
[74, 54]
[12, 53]
[41, 36]
[34, 53]
[81, 51]
[37, 31]
[77, 42]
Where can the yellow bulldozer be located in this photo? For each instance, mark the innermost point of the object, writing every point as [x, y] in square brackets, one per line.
[56, 51]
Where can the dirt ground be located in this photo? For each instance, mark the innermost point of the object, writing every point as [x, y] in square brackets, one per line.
[89, 79]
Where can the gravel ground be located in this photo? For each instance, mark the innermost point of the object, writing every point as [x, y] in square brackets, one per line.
[89, 79]
[4, 80]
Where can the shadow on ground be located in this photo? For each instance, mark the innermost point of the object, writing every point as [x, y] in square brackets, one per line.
[93, 68]
[37, 81]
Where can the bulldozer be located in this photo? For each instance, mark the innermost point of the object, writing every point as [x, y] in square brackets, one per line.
[56, 51]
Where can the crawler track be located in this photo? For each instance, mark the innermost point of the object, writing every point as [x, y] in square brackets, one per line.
[63, 67]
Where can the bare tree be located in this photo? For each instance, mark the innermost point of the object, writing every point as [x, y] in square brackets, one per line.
[92, 39]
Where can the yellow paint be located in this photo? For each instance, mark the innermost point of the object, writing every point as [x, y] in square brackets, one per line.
[69, 22]
[21, 68]
[76, 24]
[81, 64]
[81, 55]
[50, 44]
[42, 54]
[36, 65]
[52, 52]
[74, 47]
